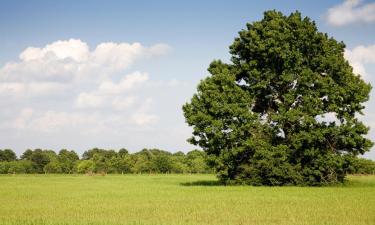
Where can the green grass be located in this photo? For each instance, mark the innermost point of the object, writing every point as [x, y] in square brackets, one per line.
[178, 199]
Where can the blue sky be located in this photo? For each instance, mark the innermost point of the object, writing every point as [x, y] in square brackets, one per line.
[152, 79]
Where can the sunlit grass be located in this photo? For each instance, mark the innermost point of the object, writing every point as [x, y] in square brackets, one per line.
[178, 199]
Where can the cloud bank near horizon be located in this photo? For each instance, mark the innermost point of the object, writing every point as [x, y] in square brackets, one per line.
[65, 87]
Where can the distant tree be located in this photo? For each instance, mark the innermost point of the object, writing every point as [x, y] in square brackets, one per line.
[7, 155]
[101, 163]
[363, 166]
[4, 167]
[196, 161]
[141, 162]
[21, 166]
[85, 166]
[260, 118]
[180, 167]
[162, 163]
[121, 164]
[67, 160]
[27, 154]
[179, 163]
[51, 154]
[53, 166]
[41, 158]
[179, 154]
[122, 152]
[105, 153]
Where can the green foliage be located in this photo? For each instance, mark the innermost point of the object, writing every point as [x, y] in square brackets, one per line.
[53, 166]
[15, 167]
[40, 158]
[152, 161]
[7, 155]
[21, 166]
[4, 167]
[85, 166]
[162, 163]
[107, 161]
[179, 163]
[362, 166]
[195, 161]
[67, 160]
[121, 164]
[260, 119]
[105, 153]
[27, 154]
[123, 152]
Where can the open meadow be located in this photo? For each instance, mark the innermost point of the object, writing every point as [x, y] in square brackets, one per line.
[178, 199]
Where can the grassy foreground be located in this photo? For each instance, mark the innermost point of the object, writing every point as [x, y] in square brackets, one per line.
[178, 199]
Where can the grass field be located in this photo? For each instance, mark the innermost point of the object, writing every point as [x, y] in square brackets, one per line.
[178, 199]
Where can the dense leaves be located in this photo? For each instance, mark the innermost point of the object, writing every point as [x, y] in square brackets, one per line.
[284, 111]
[7, 155]
[362, 166]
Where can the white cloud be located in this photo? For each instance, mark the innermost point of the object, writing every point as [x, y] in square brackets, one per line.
[159, 49]
[146, 105]
[51, 121]
[127, 83]
[365, 54]
[89, 100]
[359, 56]
[119, 56]
[351, 11]
[122, 103]
[32, 89]
[144, 119]
[362, 59]
[82, 122]
[73, 48]
[72, 60]
[23, 118]
[111, 92]
[142, 115]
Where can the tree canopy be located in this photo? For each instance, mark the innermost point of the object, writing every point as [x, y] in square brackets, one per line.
[284, 111]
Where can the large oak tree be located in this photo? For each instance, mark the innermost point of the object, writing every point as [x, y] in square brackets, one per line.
[284, 111]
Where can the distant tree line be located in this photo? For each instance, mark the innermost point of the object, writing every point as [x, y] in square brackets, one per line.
[110, 161]
[362, 166]
[103, 161]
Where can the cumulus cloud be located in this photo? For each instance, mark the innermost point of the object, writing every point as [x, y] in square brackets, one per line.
[129, 82]
[110, 93]
[19, 89]
[359, 56]
[52, 120]
[90, 100]
[122, 103]
[81, 88]
[351, 11]
[66, 61]
[143, 118]
[73, 48]
[119, 56]
[22, 119]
